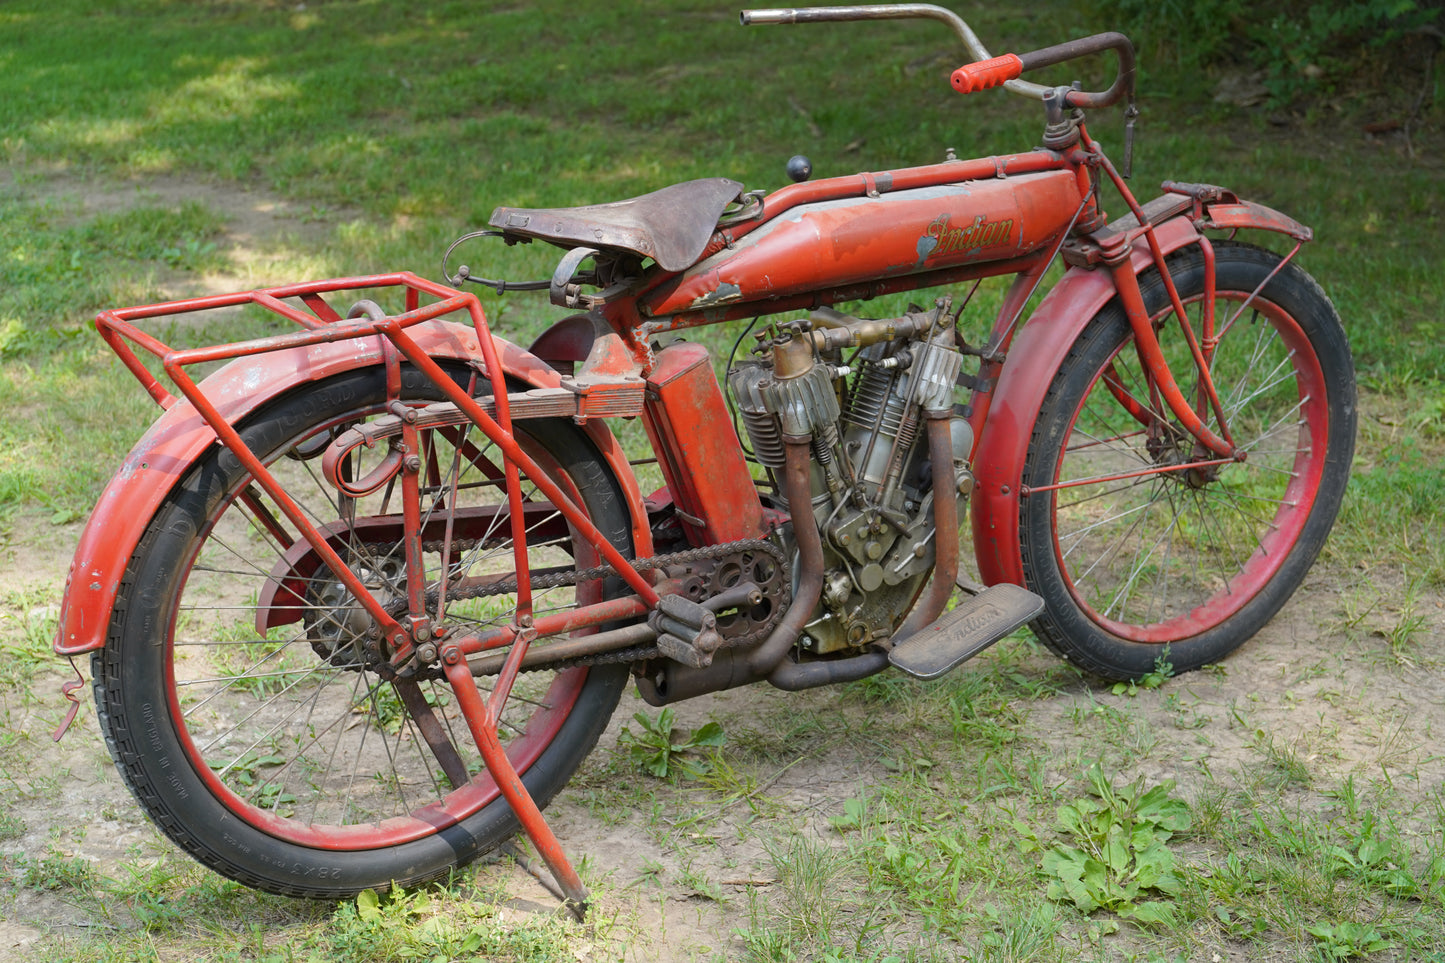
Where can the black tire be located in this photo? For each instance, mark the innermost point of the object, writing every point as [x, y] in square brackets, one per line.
[1176, 563]
[269, 751]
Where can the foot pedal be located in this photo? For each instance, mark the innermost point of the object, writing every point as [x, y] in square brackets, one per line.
[958, 636]
[686, 631]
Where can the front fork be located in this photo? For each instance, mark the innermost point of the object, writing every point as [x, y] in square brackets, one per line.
[1161, 377]
[1162, 383]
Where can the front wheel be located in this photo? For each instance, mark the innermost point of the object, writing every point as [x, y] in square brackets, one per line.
[1145, 546]
[241, 689]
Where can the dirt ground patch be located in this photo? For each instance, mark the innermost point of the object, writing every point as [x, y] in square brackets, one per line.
[1336, 699]
[262, 230]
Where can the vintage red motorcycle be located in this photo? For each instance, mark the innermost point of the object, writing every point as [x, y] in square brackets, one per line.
[363, 598]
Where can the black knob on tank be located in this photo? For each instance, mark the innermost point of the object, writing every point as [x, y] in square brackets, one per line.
[799, 168]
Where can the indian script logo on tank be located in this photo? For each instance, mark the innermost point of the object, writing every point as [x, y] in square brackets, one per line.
[942, 238]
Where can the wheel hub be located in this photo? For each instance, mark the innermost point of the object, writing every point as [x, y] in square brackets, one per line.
[340, 629]
[1201, 475]
[1164, 446]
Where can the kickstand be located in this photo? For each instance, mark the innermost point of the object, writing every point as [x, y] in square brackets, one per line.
[577, 910]
[483, 726]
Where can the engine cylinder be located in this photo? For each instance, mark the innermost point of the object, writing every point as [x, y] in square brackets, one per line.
[875, 414]
[762, 425]
[803, 403]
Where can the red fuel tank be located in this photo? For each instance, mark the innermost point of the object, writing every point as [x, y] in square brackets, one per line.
[828, 243]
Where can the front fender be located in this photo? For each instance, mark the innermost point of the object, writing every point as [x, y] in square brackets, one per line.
[1033, 359]
[181, 435]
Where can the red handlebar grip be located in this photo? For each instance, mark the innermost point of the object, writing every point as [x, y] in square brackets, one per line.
[987, 73]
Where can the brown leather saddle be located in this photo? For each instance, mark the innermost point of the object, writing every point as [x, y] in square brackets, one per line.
[672, 226]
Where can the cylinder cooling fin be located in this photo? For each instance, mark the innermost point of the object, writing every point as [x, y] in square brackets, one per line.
[762, 426]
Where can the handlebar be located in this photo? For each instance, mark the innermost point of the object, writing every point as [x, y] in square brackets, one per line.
[987, 70]
[893, 11]
[984, 74]
[990, 73]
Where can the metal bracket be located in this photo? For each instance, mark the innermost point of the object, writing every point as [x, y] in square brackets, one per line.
[565, 294]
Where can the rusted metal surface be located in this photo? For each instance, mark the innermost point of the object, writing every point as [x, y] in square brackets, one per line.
[1123, 85]
[843, 514]
[767, 658]
[1247, 214]
[889, 11]
[945, 524]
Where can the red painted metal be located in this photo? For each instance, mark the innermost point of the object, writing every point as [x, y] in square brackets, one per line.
[904, 179]
[173, 443]
[567, 342]
[519, 461]
[583, 617]
[1004, 426]
[1248, 214]
[1033, 356]
[483, 725]
[805, 245]
[1124, 476]
[1265, 559]
[857, 291]
[689, 427]
[1126, 283]
[686, 422]
[502, 764]
[842, 241]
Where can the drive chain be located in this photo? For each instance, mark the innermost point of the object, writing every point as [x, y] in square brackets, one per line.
[652, 563]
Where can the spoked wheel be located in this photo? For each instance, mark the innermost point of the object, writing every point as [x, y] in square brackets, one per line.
[1140, 539]
[239, 685]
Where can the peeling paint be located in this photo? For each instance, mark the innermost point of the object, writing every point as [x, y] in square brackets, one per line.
[726, 293]
[981, 233]
[253, 377]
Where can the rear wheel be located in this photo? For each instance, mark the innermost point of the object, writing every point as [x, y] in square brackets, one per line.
[1141, 541]
[239, 686]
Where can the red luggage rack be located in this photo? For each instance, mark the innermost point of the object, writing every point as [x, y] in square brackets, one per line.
[494, 416]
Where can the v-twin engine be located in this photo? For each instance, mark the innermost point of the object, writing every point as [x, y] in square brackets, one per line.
[872, 481]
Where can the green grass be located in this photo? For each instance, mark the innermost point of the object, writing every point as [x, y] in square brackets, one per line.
[415, 123]
[998, 868]
[396, 127]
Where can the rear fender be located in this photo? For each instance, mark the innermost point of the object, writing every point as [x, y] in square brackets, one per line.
[181, 435]
[1033, 359]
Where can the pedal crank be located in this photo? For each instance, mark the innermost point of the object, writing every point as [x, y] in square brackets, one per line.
[686, 631]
